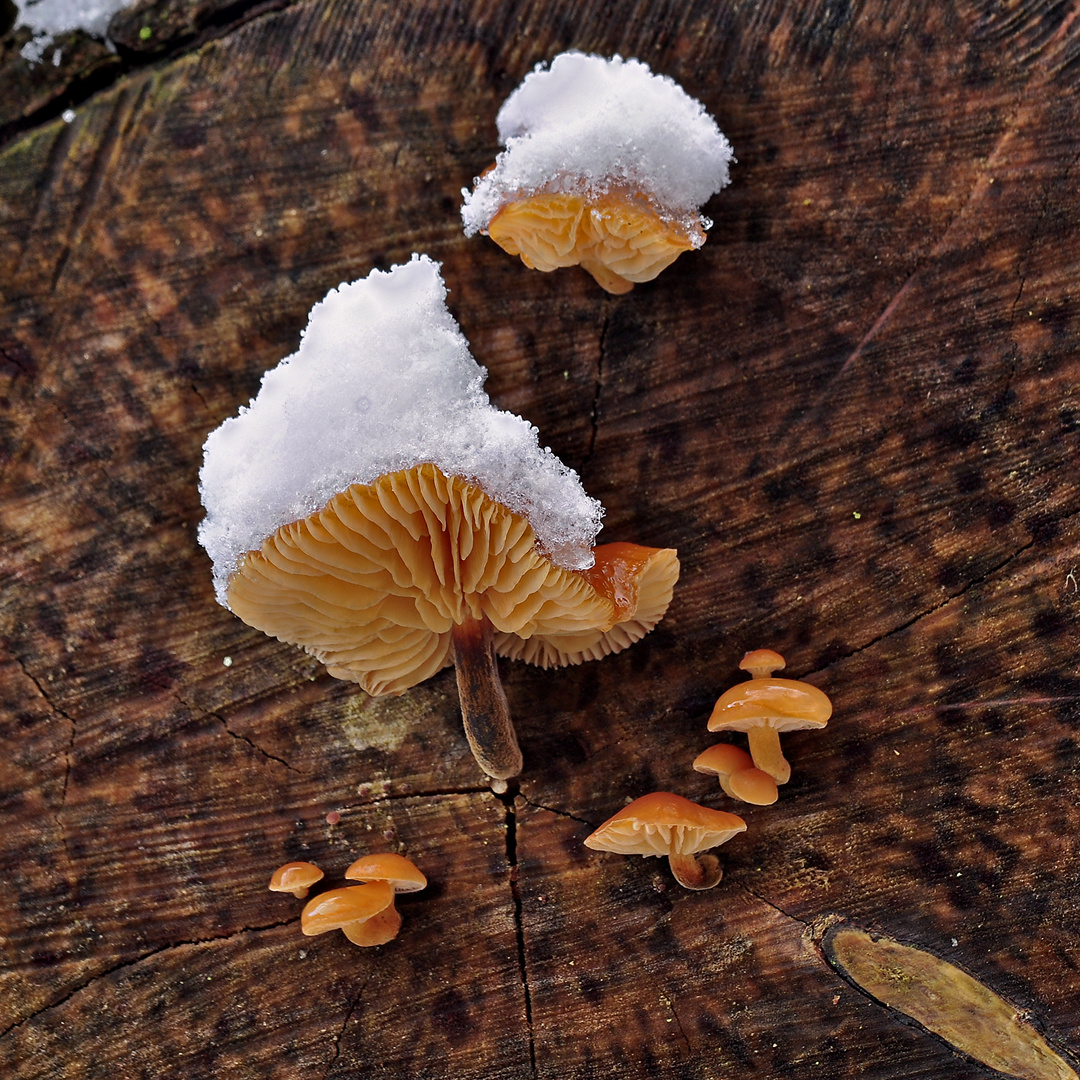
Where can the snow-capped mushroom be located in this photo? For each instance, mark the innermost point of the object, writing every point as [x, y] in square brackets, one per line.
[665, 824]
[764, 707]
[373, 507]
[295, 878]
[606, 165]
[738, 777]
[364, 913]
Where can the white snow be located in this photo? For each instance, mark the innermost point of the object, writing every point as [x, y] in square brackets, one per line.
[383, 380]
[588, 124]
[49, 17]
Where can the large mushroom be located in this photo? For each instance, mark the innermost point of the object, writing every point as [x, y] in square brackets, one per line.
[764, 707]
[606, 165]
[372, 507]
[664, 824]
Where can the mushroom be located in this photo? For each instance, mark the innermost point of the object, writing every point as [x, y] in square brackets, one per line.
[665, 824]
[606, 165]
[763, 707]
[400, 874]
[372, 507]
[364, 913]
[295, 878]
[735, 770]
[391, 581]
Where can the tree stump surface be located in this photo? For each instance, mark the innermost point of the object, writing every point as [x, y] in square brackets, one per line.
[854, 412]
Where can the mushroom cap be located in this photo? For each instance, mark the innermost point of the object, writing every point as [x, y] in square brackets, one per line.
[663, 824]
[336, 908]
[782, 704]
[374, 582]
[620, 233]
[762, 662]
[753, 786]
[400, 872]
[294, 875]
[723, 759]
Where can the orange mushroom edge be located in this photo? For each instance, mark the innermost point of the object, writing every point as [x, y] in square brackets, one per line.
[364, 913]
[391, 581]
[764, 707]
[295, 878]
[738, 777]
[664, 824]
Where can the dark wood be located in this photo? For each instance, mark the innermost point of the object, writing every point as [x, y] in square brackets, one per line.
[854, 412]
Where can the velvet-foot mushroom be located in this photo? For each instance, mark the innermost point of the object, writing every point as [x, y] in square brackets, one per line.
[664, 824]
[295, 878]
[373, 507]
[738, 777]
[764, 707]
[606, 166]
[365, 914]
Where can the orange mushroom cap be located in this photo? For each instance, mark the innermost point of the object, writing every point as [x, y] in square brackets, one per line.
[338, 908]
[619, 237]
[661, 824]
[295, 878]
[735, 770]
[783, 704]
[373, 584]
[762, 662]
[401, 873]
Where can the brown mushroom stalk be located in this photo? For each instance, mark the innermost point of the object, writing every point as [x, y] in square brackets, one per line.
[696, 872]
[484, 711]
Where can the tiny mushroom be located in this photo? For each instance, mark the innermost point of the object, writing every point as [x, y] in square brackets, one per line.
[764, 707]
[402, 875]
[364, 913]
[374, 508]
[606, 166]
[665, 824]
[295, 878]
[734, 768]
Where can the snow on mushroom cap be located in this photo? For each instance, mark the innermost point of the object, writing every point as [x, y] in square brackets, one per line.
[383, 380]
[589, 124]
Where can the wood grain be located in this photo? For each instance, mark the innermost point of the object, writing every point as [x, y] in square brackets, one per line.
[854, 413]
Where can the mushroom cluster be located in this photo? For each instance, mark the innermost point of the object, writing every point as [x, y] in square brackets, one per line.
[364, 913]
[665, 824]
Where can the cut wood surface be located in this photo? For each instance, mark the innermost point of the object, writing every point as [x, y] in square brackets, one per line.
[855, 412]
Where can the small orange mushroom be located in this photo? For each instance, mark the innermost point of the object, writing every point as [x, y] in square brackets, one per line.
[364, 913]
[764, 707]
[295, 878]
[392, 581]
[734, 768]
[402, 875]
[665, 824]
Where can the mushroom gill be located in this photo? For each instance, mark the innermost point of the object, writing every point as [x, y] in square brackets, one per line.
[393, 580]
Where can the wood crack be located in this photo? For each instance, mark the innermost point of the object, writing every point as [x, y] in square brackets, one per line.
[981, 579]
[344, 1024]
[519, 925]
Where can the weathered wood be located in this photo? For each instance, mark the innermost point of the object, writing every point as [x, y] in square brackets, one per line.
[854, 412]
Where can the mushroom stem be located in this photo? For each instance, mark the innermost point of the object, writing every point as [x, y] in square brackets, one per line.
[696, 871]
[483, 704]
[766, 752]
